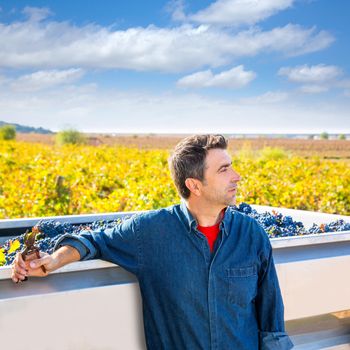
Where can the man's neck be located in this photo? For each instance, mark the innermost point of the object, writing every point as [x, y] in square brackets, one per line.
[205, 215]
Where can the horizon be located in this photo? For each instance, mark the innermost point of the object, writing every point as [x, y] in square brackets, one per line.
[132, 134]
[176, 67]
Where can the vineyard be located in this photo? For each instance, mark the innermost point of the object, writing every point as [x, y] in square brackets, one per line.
[46, 180]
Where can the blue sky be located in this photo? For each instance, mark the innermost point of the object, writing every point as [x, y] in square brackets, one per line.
[228, 66]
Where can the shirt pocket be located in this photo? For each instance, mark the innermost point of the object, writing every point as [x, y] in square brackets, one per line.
[242, 285]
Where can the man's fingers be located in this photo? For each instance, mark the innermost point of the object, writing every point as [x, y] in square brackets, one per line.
[34, 264]
[16, 276]
[31, 266]
[20, 260]
[19, 270]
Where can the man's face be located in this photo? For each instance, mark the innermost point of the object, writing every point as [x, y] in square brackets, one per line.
[219, 186]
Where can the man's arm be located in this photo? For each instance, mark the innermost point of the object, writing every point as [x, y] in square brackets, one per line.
[120, 245]
[269, 306]
[32, 266]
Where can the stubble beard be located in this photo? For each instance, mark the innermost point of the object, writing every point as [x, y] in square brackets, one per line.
[221, 199]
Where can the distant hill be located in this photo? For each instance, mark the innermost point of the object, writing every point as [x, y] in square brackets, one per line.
[27, 129]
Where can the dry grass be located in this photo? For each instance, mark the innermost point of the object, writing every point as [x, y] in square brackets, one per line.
[332, 149]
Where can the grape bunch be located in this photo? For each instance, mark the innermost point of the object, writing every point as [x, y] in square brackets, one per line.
[275, 224]
[49, 233]
[278, 225]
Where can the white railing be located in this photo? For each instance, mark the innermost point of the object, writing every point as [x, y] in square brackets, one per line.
[97, 305]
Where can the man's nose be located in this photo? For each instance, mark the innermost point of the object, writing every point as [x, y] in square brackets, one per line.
[235, 176]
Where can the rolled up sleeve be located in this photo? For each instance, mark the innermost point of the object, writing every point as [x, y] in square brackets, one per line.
[120, 245]
[81, 244]
[274, 341]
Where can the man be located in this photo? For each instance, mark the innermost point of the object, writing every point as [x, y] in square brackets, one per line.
[205, 271]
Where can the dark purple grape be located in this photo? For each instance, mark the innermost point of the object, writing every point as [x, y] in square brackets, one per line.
[275, 224]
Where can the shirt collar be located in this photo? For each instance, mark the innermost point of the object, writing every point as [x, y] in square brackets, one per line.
[227, 221]
[191, 222]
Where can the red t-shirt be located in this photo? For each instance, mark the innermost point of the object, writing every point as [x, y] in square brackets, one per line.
[211, 232]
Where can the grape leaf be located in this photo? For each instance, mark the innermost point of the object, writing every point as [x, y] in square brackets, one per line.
[2, 257]
[14, 245]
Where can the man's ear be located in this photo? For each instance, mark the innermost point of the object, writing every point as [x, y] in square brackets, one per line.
[193, 185]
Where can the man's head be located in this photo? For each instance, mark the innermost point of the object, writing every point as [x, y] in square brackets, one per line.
[188, 160]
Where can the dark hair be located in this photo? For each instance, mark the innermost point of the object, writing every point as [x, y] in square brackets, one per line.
[188, 159]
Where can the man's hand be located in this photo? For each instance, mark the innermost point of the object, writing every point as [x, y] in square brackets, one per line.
[31, 266]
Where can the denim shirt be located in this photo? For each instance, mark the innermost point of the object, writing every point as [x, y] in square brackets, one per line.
[192, 298]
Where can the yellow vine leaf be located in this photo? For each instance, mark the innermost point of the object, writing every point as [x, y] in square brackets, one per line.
[2, 257]
[14, 245]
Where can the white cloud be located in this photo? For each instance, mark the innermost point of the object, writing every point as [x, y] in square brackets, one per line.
[37, 14]
[177, 10]
[45, 79]
[50, 44]
[236, 77]
[269, 97]
[294, 40]
[94, 110]
[311, 74]
[313, 89]
[237, 12]
[315, 79]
